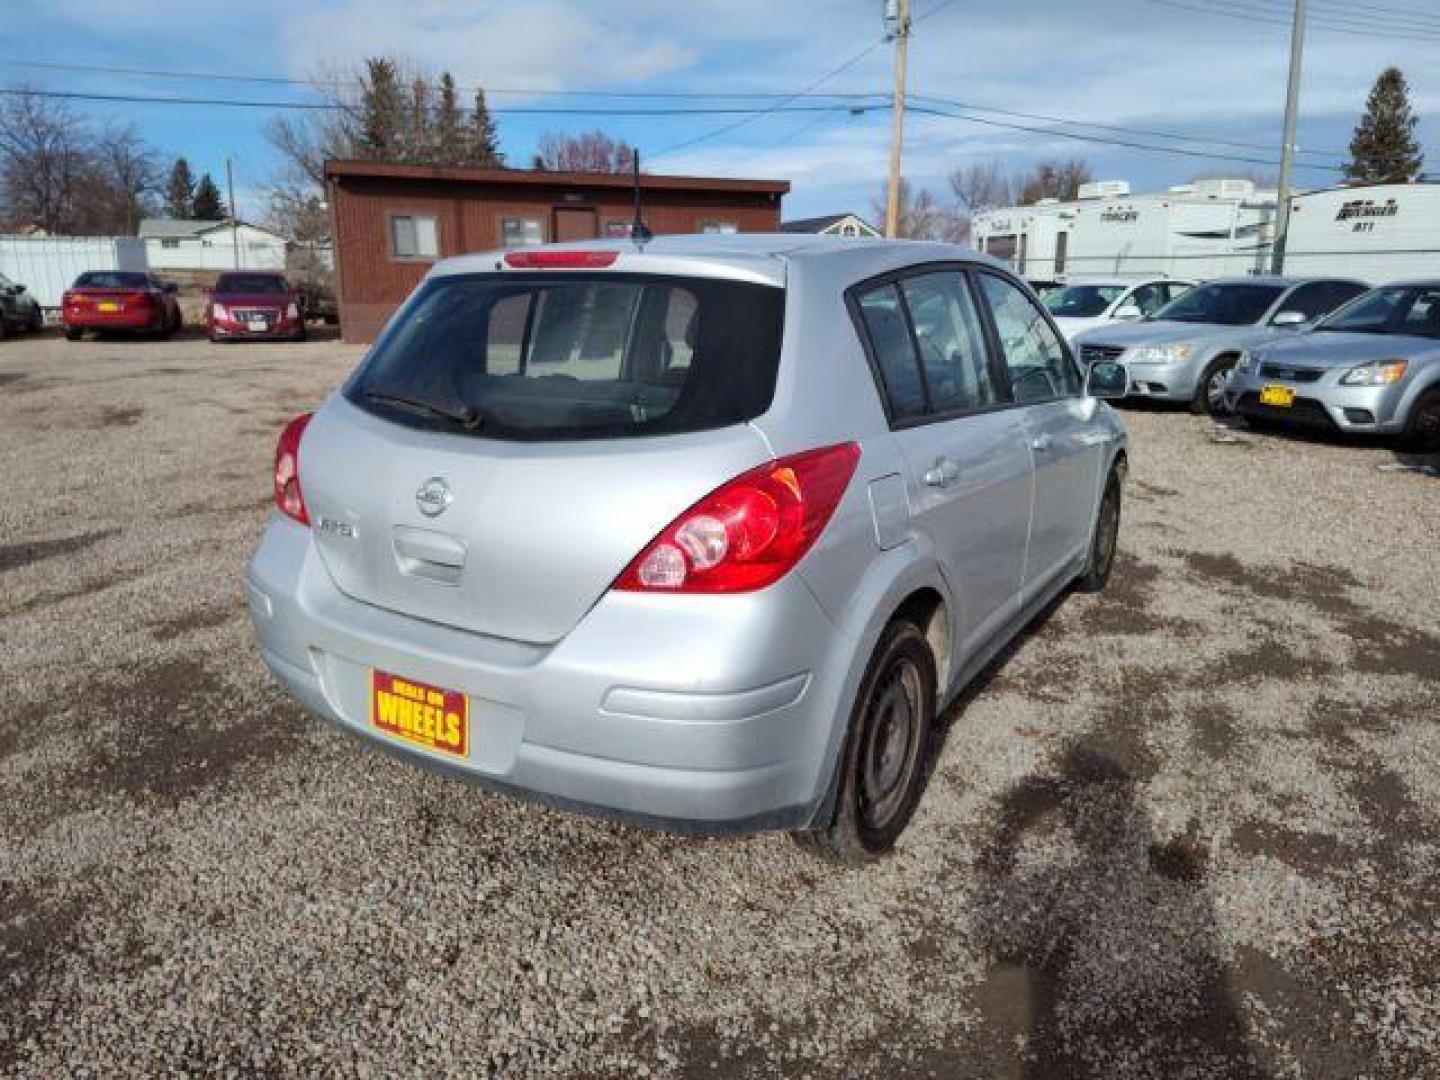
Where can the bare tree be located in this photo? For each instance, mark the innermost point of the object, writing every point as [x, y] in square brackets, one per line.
[922, 215]
[982, 186]
[590, 152]
[1052, 180]
[123, 180]
[44, 162]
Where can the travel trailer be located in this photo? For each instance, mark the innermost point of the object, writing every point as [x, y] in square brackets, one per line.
[1381, 232]
[1213, 228]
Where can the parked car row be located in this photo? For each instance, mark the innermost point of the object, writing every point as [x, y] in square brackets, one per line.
[1324, 353]
[242, 305]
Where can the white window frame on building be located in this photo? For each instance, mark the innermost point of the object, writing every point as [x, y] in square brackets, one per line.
[517, 231]
[719, 228]
[414, 237]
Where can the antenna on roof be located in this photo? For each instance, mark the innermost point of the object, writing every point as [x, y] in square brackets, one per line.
[639, 231]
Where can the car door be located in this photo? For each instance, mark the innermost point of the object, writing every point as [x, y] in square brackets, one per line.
[1065, 447]
[966, 452]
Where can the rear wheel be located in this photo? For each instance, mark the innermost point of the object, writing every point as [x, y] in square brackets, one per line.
[886, 753]
[1107, 538]
[37, 319]
[1423, 432]
[1209, 397]
[73, 333]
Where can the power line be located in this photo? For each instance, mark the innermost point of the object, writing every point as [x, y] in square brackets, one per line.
[1174, 150]
[1148, 133]
[1347, 12]
[1263, 18]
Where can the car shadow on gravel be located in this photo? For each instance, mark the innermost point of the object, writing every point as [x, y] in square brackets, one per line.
[1104, 940]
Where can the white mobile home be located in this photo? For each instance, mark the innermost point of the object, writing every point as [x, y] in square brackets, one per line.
[173, 244]
[1379, 233]
[48, 265]
[1209, 229]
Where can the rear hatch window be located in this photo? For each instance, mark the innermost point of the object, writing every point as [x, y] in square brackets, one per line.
[576, 356]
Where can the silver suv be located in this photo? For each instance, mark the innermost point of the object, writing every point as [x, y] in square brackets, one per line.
[1187, 349]
[700, 534]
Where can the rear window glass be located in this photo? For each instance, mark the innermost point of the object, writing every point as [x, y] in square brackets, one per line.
[251, 283]
[112, 279]
[574, 356]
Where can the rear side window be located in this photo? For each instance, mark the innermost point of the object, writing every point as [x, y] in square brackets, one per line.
[574, 356]
[894, 351]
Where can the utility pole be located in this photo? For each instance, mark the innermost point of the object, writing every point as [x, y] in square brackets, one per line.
[234, 221]
[1287, 151]
[897, 22]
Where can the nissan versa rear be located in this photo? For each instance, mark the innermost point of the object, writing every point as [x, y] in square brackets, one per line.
[699, 534]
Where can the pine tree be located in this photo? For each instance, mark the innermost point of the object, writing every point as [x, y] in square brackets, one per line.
[382, 107]
[207, 204]
[484, 141]
[179, 190]
[1384, 150]
[449, 126]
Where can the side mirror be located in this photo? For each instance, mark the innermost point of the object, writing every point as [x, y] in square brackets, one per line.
[1107, 379]
[16, 290]
[1290, 319]
[1128, 311]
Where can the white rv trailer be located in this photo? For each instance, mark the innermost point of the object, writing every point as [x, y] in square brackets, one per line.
[1379, 233]
[1213, 228]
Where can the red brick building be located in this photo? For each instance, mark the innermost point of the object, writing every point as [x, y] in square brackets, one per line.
[391, 222]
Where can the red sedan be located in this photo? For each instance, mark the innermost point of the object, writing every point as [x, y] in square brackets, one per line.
[252, 305]
[120, 300]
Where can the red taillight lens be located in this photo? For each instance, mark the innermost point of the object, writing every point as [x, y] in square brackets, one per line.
[288, 497]
[561, 260]
[749, 533]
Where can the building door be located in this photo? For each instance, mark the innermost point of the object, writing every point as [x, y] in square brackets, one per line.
[576, 223]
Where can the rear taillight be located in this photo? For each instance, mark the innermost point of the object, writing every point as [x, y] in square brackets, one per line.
[288, 497]
[750, 532]
[139, 298]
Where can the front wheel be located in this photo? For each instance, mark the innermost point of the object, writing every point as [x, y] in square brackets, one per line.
[886, 753]
[1103, 545]
[37, 320]
[1209, 397]
[1422, 433]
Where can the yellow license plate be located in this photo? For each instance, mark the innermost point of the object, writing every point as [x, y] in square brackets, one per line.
[421, 715]
[1280, 396]
[108, 306]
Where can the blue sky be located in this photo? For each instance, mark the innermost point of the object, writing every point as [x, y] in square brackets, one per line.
[1133, 63]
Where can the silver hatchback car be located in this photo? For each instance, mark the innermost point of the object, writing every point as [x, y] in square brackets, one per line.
[700, 534]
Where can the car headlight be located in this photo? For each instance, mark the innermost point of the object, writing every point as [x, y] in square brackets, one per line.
[1375, 373]
[293, 311]
[218, 311]
[1158, 354]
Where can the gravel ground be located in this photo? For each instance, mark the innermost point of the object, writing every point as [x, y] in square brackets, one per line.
[1186, 828]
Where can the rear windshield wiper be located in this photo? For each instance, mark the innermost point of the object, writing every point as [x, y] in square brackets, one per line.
[467, 416]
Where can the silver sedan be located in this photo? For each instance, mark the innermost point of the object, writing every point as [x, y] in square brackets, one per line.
[1372, 367]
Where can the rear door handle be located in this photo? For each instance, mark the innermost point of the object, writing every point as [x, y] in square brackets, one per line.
[1042, 444]
[943, 473]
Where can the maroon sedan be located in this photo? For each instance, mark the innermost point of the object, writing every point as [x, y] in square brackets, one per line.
[120, 300]
[254, 305]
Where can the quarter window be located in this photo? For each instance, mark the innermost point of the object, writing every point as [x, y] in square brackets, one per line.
[894, 351]
[951, 342]
[1040, 368]
[414, 236]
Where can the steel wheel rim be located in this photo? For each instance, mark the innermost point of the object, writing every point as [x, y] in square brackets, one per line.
[1215, 389]
[891, 745]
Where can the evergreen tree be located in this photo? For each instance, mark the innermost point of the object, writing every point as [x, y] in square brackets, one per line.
[179, 190]
[382, 107]
[449, 125]
[1384, 150]
[484, 140]
[207, 204]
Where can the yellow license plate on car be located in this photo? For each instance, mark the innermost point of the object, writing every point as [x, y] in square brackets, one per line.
[419, 714]
[1280, 396]
[108, 306]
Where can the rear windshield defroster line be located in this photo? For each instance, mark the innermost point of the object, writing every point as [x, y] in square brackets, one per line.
[553, 356]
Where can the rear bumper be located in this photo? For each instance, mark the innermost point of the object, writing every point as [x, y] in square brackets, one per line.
[710, 718]
[121, 320]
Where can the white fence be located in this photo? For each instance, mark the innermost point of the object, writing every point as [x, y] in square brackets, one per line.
[48, 265]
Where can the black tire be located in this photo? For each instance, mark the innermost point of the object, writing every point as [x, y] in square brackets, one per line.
[1209, 396]
[1422, 433]
[37, 320]
[1101, 560]
[886, 756]
[73, 333]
